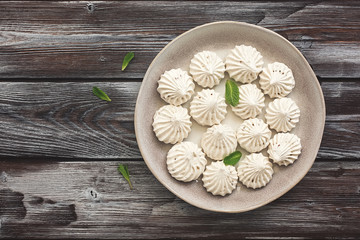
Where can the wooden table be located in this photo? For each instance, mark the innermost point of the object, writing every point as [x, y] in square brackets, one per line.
[60, 145]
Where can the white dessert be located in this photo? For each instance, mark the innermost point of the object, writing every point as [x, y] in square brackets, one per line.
[219, 141]
[244, 63]
[255, 171]
[220, 179]
[186, 161]
[251, 101]
[171, 124]
[208, 107]
[176, 87]
[277, 80]
[253, 135]
[284, 148]
[282, 114]
[207, 69]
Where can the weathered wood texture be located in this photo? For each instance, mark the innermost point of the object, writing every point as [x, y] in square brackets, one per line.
[53, 52]
[91, 200]
[72, 39]
[65, 120]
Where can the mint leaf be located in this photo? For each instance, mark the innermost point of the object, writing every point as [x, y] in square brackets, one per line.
[123, 169]
[101, 94]
[232, 158]
[231, 93]
[127, 60]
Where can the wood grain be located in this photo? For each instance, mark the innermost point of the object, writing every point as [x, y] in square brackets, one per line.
[91, 200]
[65, 120]
[71, 39]
[60, 145]
[342, 100]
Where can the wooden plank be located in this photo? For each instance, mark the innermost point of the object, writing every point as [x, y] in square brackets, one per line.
[70, 39]
[65, 120]
[342, 100]
[91, 200]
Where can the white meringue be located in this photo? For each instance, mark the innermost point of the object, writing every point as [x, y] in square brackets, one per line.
[220, 179]
[244, 63]
[207, 69]
[208, 107]
[219, 141]
[282, 114]
[171, 124]
[186, 161]
[284, 148]
[253, 135]
[251, 101]
[176, 87]
[255, 171]
[277, 80]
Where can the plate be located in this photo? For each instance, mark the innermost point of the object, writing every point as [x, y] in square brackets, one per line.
[221, 37]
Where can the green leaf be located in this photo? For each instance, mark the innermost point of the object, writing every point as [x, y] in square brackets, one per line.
[100, 94]
[231, 93]
[127, 60]
[123, 169]
[233, 158]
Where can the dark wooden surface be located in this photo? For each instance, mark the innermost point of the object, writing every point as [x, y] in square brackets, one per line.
[60, 145]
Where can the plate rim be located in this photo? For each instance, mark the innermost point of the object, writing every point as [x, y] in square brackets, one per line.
[311, 72]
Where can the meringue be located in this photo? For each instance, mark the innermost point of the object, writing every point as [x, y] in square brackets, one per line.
[282, 114]
[219, 141]
[253, 135]
[171, 124]
[277, 80]
[255, 171]
[284, 148]
[208, 107]
[207, 69]
[244, 63]
[176, 87]
[251, 101]
[220, 179]
[186, 161]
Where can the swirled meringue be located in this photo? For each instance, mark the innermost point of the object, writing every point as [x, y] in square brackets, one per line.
[244, 63]
[208, 107]
[176, 87]
[255, 171]
[284, 148]
[282, 114]
[251, 101]
[277, 80]
[219, 141]
[220, 179]
[186, 161]
[171, 124]
[253, 135]
[207, 69]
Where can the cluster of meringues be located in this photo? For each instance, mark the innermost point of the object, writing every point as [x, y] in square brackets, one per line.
[186, 160]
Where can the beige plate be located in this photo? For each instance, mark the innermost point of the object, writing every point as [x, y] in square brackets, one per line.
[221, 37]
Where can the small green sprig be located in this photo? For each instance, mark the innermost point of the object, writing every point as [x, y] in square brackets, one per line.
[123, 169]
[231, 93]
[128, 57]
[101, 94]
[232, 158]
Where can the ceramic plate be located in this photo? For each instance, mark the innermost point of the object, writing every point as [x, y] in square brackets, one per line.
[221, 37]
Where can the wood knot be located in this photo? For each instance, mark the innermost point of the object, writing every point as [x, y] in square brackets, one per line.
[90, 7]
[92, 195]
